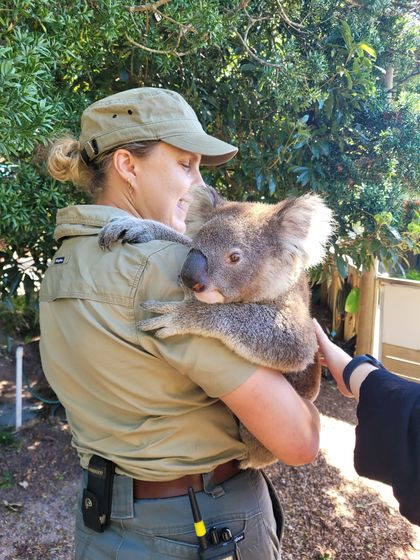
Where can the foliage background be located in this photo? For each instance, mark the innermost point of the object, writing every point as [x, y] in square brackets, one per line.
[298, 85]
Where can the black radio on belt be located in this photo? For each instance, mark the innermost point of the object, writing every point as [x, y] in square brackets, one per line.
[216, 544]
[97, 496]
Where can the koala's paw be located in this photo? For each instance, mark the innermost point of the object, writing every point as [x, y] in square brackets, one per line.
[167, 324]
[128, 230]
[163, 306]
[159, 324]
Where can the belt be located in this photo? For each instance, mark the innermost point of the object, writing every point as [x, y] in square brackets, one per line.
[179, 487]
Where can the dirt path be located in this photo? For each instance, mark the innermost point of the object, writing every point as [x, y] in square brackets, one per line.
[331, 514]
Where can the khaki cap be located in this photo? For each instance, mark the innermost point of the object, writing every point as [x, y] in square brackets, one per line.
[148, 114]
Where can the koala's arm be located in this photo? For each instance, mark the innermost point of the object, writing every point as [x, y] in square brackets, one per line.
[260, 333]
[134, 230]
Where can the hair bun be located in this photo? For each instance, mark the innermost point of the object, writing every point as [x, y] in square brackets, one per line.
[65, 163]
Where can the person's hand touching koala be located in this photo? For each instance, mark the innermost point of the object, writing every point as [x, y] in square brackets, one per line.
[246, 272]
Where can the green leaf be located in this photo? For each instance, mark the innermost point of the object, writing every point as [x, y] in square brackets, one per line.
[383, 218]
[349, 79]
[272, 185]
[341, 266]
[329, 105]
[394, 232]
[325, 148]
[346, 34]
[367, 48]
[352, 301]
[303, 178]
[259, 179]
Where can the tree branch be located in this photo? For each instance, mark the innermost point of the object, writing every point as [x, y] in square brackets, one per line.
[296, 26]
[251, 53]
[185, 28]
[408, 78]
[241, 6]
[158, 51]
[147, 7]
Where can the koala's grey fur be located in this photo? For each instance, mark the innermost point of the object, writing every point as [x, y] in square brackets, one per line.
[259, 306]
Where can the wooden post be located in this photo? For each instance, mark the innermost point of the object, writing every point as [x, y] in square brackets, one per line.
[367, 311]
[335, 287]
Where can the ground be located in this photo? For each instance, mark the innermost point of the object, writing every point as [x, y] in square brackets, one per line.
[331, 514]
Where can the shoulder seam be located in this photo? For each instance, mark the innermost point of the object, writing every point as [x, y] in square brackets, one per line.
[169, 244]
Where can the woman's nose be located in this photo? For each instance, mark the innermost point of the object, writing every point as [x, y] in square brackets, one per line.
[194, 271]
[197, 179]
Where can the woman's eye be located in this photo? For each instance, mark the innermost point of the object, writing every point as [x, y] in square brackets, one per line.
[234, 257]
[186, 165]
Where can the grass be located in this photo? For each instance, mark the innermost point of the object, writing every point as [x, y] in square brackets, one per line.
[8, 438]
[6, 480]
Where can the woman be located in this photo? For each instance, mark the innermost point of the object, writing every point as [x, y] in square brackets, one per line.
[163, 412]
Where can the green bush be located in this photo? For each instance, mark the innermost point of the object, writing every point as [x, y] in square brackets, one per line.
[297, 85]
[413, 274]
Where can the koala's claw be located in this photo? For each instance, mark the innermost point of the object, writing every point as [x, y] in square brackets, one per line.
[166, 323]
[128, 230]
[155, 323]
[161, 328]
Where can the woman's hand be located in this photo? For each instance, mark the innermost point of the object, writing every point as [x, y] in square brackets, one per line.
[333, 357]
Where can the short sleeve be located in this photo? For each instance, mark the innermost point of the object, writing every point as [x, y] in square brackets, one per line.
[206, 361]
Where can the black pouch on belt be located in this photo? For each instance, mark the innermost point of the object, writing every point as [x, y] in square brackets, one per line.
[97, 496]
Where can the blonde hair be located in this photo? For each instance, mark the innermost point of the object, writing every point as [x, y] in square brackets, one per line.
[65, 162]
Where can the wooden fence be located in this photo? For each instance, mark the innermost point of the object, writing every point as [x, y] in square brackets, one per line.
[387, 324]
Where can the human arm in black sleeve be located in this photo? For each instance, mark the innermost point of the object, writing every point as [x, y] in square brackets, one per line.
[388, 437]
[388, 433]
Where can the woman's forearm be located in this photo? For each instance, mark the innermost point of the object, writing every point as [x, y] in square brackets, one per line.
[277, 416]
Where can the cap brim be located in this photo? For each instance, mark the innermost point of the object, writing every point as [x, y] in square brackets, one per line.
[212, 150]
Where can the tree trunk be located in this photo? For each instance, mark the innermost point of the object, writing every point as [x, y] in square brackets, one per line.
[389, 79]
[367, 311]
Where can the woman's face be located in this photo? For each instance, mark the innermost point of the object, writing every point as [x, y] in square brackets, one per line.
[163, 179]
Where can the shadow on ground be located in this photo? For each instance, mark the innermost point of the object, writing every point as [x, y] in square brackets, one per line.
[333, 514]
[329, 517]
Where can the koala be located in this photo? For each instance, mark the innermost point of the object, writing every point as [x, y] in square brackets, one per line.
[245, 282]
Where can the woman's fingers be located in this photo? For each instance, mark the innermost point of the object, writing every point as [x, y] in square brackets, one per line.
[333, 357]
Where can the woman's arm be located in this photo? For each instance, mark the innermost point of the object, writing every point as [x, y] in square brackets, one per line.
[285, 423]
[336, 360]
[388, 433]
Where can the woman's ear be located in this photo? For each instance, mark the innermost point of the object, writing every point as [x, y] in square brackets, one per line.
[124, 165]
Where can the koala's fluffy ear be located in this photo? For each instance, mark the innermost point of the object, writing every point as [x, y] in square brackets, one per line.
[204, 201]
[305, 224]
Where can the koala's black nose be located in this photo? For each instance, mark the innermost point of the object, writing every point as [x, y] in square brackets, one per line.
[194, 271]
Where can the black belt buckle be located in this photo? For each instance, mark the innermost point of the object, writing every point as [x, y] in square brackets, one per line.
[97, 496]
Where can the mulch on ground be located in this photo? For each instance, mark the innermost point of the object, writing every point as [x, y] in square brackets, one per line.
[328, 517]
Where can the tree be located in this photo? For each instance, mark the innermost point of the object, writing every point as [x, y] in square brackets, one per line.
[297, 85]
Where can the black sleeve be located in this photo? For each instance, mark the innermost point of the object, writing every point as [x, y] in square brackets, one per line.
[388, 437]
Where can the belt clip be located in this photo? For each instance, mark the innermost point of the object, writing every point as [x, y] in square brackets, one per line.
[97, 496]
[209, 487]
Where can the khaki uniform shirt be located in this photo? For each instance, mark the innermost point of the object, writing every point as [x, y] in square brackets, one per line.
[149, 405]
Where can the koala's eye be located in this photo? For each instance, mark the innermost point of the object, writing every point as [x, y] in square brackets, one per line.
[234, 257]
